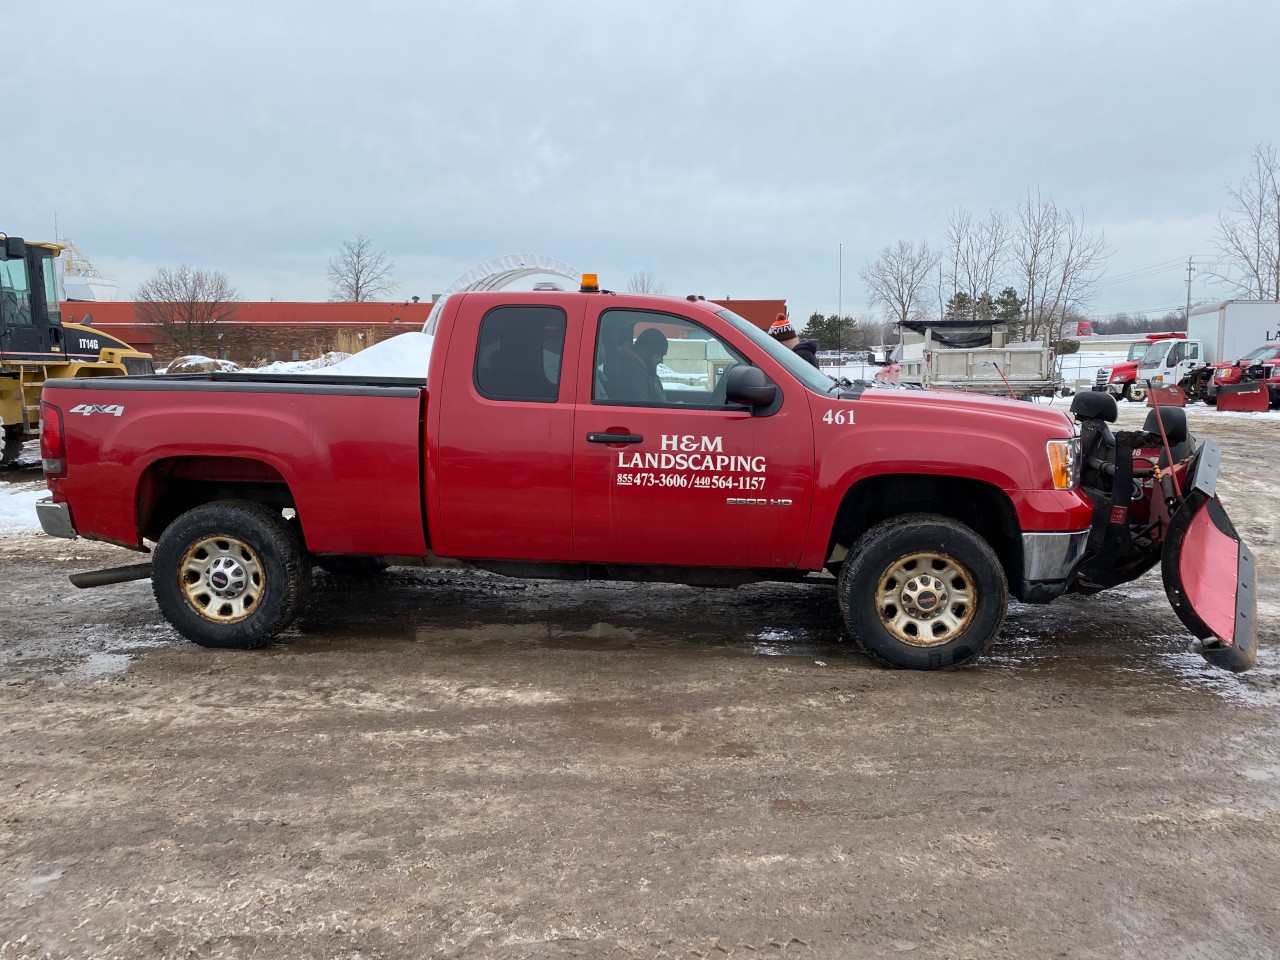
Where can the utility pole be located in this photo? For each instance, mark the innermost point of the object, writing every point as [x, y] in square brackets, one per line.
[840, 281]
[1188, 314]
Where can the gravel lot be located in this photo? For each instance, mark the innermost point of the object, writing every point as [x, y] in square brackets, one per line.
[446, 764]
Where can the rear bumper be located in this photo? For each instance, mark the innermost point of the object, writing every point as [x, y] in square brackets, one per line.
[55, 519]
[1049, 561]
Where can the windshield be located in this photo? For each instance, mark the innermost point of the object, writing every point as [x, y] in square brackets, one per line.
[798, 367]
[1263, 353]
[1136, 350]
[1155, 353]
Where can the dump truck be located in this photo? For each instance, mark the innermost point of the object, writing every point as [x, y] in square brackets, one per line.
[36, 346]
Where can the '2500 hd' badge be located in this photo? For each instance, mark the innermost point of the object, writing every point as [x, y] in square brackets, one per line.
[110, 409]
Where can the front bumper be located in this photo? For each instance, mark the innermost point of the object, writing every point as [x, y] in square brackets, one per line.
[55, 519]
[1049, 562]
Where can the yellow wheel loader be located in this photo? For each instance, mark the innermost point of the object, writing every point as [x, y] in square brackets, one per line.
[35, 345]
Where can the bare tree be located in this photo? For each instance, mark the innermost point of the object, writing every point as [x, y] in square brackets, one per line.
[1249, 239]
[1058, 262]
[359, 273]
[976, 254]
[185, 303]
[642, 281]
[897, 277]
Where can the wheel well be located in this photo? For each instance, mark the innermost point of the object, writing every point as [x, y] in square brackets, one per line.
[981, 507]
[171, 487]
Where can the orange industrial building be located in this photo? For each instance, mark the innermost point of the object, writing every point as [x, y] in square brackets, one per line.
[262, 332]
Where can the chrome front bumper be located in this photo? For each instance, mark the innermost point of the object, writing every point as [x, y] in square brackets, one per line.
[1049, 561]
[55, 518]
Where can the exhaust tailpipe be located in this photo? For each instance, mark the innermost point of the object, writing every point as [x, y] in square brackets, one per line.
[101, 578]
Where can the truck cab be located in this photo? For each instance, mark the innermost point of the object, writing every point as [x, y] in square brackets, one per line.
[1121, 380]
[1167, 362]
[30, 321]
[35, 346]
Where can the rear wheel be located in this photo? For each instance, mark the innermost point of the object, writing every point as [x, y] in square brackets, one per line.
[923, 592]
[230, 574]
[12, 447]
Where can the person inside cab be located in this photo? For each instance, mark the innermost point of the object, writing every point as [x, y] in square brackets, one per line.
[635, 374]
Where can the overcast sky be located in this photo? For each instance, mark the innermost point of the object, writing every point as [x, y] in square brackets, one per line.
[725, 148]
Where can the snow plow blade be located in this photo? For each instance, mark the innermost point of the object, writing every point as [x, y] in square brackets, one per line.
[1166, 397]
[1209, 572]
[1247, 397]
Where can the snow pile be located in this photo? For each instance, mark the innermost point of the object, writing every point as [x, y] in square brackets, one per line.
[404, 355]
[18, 507]
[330, 359]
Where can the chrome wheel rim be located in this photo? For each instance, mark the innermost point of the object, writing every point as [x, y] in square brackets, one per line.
[222, 578]
[926, 599]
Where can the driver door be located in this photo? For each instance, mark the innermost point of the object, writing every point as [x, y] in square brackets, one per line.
[687, 480]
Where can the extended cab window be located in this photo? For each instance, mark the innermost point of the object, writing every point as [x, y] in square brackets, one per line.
[657, 360]
[518, 353]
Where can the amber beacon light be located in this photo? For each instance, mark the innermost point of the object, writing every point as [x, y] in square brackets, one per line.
[590, 283]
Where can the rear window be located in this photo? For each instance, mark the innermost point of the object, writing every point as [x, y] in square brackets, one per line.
[518, 353]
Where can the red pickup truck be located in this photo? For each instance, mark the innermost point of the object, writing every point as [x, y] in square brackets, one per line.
[586, 434]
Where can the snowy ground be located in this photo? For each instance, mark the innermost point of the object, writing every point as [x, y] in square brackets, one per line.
[18, 506]
[444, 763]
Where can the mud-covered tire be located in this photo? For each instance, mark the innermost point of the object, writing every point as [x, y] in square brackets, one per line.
[230, 574]
[11, 447]
[923, 592]
[1135, 393]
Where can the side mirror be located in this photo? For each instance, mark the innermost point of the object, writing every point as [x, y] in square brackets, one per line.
[749, 386]
[13, 248]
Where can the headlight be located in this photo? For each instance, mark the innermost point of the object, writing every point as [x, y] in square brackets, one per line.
[1064, 463]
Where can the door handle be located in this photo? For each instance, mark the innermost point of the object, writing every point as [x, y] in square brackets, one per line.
[614, 438]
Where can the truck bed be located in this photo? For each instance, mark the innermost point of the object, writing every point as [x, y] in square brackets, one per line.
[346, 451]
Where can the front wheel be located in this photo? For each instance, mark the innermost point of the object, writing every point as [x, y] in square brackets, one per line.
[923, 592]
[1135, 393]
[230, 574]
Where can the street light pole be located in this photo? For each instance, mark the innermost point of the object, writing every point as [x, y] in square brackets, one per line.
[840, 282]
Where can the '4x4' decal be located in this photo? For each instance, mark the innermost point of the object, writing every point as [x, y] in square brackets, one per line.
[110, 409]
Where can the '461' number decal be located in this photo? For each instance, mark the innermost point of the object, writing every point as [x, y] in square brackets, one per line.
[838, 416]
[110, 409]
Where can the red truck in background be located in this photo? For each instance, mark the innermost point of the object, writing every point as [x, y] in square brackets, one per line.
[541, 442]
[1260, 366]
[1121, 380]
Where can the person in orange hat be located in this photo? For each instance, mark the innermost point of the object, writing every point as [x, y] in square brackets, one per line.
[782, 331]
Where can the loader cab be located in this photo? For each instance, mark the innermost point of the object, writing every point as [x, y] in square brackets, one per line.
[30, 320]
